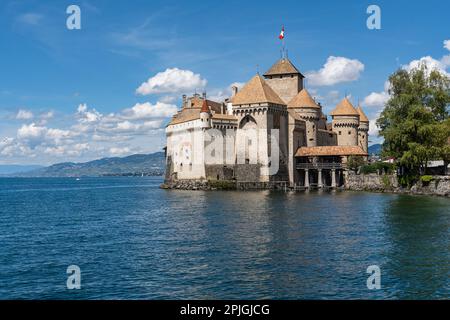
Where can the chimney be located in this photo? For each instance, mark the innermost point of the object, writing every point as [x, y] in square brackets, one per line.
[234, 90]
[204, 95]
[184, 104]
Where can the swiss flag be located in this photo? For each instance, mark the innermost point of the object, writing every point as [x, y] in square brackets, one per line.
[281, 36]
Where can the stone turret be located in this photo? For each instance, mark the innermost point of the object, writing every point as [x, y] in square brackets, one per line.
[285, 79]
[363, 130]
[307, 109]
[345, 122]
[205, 114]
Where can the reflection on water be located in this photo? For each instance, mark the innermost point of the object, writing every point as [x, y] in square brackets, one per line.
[133, 240]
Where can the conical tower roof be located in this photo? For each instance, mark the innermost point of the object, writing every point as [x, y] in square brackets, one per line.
[256, 91]
[205, 106]
[362, 115]
[344, 108]
[282, 66]
[303, 100]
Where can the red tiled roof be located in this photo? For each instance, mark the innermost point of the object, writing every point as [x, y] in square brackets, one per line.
[330, 151]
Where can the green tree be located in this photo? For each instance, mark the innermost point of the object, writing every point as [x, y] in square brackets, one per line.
[354, 162]
[415, 121]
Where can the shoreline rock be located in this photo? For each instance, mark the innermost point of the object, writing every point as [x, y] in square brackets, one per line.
[438, 186]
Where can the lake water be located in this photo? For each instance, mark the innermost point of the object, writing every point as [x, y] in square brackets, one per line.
[133, 240]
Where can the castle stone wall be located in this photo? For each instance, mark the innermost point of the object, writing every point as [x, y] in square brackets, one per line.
[247, 172]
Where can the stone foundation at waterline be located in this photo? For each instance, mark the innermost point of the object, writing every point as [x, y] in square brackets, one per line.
[439, 185]
[370, 182]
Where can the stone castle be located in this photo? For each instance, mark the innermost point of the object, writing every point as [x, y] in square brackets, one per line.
[307, 151]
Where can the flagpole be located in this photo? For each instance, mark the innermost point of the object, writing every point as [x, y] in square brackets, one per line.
[281, 37]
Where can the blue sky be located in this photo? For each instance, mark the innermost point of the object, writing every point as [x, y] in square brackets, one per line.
[71, 95]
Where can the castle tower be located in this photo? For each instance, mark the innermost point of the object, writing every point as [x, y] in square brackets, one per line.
[260, 113]
[345, 122]
[205, 114]
[307, 109]
[285, 79]
[363, 130]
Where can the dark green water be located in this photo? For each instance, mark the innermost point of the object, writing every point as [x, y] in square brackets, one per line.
[135, 241]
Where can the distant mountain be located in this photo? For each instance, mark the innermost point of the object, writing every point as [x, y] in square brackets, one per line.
[375, 149]
[11, 169]
[137, 164]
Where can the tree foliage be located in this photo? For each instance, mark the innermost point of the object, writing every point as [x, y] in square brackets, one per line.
[354, 162]
[415, 122]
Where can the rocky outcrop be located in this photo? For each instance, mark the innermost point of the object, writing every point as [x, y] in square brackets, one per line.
[439, 185]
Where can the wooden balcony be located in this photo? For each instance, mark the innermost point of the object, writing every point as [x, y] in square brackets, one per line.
[321, 165]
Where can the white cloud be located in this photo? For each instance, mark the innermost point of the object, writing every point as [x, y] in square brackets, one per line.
[336, 70]
[35, 135]
[10, 147]
[126, 126]
[376, 99]
[147, 110]
[58, 134]
[73, 150]
[172, 80]
[31, 131]
[447, 44]
[86, 115]
[430, 63]
[373, 129]
[115, 151]
[24, 115]
[6, 146]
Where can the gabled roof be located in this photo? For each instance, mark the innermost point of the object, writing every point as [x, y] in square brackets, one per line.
[303, 100]
[256, 91]
[330, 151]
[282, 66]
[344, 108]
[362, 115]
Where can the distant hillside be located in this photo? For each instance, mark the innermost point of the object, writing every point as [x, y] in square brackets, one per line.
[137, 164]
[10, 169]
[375, 149]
